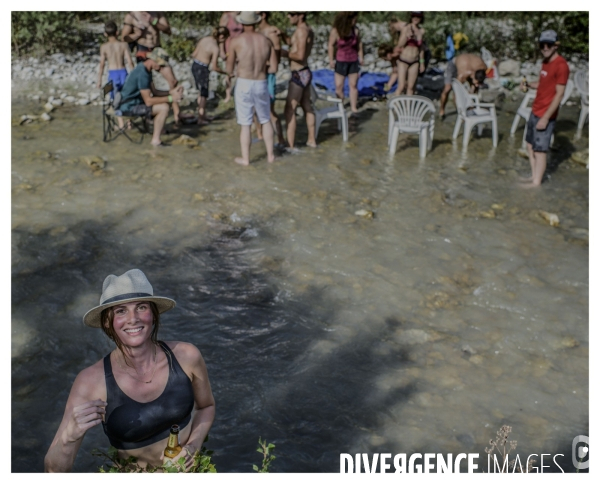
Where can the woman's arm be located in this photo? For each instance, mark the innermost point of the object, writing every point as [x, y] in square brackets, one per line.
[84, 410]
[333, 37]
[192, 362]
[360, 48]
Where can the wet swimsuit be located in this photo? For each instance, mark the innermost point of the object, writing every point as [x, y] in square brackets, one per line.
[117, 76]
[132, 425]
[411, 43]
[408, 63]
[201, 73]
[302, 77]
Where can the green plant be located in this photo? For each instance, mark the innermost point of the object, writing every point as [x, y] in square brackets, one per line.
[268, 458]
[202, 463]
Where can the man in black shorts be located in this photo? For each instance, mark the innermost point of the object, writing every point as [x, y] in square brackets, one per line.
[141, 98]
[206, 54]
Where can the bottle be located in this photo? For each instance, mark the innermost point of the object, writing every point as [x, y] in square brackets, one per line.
[173, 448]
[524, 84]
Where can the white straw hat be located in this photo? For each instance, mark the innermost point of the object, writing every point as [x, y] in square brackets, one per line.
[248, 18]
[131, 286]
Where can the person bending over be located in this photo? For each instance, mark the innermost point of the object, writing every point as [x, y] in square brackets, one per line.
[464, 68]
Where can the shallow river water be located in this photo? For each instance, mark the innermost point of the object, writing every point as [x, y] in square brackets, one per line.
[454, 310]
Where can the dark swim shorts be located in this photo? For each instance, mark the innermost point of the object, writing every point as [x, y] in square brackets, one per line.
[201, 74]
[345, 68]
[539, 140]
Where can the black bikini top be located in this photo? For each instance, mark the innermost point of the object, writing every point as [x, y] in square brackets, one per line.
[132, 425]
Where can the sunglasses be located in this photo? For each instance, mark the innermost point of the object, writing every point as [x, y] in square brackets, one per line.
[546, 45]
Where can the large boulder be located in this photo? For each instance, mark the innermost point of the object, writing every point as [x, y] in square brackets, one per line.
[509, 68]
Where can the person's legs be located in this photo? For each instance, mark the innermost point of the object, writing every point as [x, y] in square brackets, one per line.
[310, 117]
[413, 73]
[339, 85]
[393, 78]
[444, 99]
[353, 82]
[276, 123]
[267, 132]
[402, 69]
[160, 113]
[167, 73]
[245, 141]
[291, 103]
[202, 118]
[258, 126]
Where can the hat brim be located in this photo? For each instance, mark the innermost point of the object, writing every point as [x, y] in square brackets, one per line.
[92, 317]
[239, 20]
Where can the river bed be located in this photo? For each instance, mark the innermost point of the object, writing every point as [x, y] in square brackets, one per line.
[454, 310]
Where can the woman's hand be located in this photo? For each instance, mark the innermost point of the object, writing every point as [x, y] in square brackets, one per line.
[421, 67]
[331, 64]
[83, 418]
[187, 452]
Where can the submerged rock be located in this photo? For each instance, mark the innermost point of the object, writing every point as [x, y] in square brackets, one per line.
[551, 218]
[186, 140]
[45, 117]
[581, 157]
[365, 214]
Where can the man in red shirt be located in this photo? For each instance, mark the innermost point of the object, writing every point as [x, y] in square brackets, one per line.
[550, 90]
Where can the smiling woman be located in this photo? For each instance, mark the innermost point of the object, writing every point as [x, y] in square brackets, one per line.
[140, 389]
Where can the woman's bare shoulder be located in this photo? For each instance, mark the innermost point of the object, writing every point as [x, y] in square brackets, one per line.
[90, 381]
[183, 349]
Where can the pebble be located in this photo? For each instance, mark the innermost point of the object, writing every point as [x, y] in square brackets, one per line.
[551, 218]
[365, 214]
[45, 117]
[48, 107]
[57, 102]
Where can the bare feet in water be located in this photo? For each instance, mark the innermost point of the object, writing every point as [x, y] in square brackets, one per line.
[241, 161]
[311, 145]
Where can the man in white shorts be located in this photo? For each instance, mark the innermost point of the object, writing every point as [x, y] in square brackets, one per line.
[255, 56]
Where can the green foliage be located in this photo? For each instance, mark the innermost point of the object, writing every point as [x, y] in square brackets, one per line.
[202, 463]
[506, 34]
[265, 449]
[43, 32]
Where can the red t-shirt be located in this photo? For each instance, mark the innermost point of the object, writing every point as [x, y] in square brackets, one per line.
[552, 73]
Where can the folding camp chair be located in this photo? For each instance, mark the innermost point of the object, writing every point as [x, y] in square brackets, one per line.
[110, 126]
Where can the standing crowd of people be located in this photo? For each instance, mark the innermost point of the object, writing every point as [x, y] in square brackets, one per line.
[247, 50]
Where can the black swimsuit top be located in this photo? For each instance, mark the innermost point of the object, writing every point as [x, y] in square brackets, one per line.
[130, 424]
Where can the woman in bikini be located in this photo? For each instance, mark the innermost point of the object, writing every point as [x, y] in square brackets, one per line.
[235, 28]
[411, 60]
[141, 388]
[345, 40]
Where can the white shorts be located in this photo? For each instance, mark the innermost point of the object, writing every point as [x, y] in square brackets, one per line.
[252, 96]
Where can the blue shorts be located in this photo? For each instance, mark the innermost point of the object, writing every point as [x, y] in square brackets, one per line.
[539, 140]
[271, 81]
[117, 76]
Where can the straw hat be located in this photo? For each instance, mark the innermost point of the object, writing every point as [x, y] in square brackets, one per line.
[131, 286]
[248, 18]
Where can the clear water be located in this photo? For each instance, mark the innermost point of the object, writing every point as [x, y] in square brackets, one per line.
[423, 329]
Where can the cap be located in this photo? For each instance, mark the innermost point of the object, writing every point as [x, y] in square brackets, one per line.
[549, 36]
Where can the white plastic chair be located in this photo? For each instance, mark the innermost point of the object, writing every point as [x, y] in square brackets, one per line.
[582, 83]
[524, 109]
[472, 113]
[335, 111]
[406, 115]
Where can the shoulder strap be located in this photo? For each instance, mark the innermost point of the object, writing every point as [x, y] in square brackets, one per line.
[107, 367]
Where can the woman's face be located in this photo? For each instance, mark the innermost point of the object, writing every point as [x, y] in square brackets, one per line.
[133, 322]
[415, 20]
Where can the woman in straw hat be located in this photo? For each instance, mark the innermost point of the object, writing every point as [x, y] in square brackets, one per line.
[140, 389]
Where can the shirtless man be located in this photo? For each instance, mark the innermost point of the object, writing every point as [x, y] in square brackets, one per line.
[464, 67]
[301, 44]
[252, 52]
[144, 29]
[273, 34]
[206, 54]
